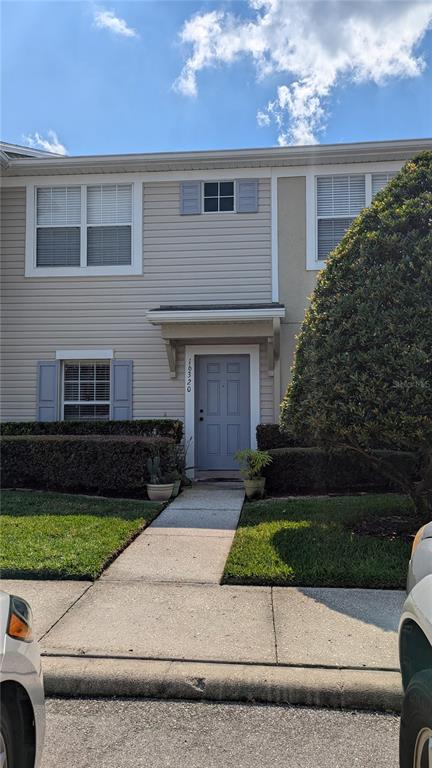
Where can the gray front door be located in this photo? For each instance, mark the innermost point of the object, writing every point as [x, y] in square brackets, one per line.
[222, 410]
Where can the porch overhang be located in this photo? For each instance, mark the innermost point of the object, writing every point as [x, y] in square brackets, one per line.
[216, 323]
[215, 313]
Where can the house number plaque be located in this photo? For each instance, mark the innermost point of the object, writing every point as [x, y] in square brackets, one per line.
[189, 376]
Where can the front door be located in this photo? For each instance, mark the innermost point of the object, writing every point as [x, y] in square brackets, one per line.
[222, 410]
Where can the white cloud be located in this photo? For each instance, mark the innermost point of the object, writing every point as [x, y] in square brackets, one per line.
[108, 20]
[50, 144]
[315, 45]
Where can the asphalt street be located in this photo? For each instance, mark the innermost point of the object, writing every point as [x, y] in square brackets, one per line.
[115, 733]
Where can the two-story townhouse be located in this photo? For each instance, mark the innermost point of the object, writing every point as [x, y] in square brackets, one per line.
[173, 284]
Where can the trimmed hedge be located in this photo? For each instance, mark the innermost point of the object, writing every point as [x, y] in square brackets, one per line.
[270, 436]
[93, 463]
[171, 428]
[314, 470]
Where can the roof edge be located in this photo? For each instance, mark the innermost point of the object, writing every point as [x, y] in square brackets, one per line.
[268, 156]
[26, 152]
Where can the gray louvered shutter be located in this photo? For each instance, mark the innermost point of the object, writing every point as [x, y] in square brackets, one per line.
[47, 390]
[121, 407]
[247, 196]
[190, 198]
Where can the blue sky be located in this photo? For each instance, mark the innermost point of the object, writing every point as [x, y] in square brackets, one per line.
[102, 87]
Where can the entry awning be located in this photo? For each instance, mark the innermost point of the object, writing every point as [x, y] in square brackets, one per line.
[218, 322]
[215, 313]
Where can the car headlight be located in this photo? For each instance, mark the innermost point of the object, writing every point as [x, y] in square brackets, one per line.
[417, 539]
[20, 620]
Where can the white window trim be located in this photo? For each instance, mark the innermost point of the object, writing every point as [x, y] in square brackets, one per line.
[274, 236]
[136, 266]
[84, 354]
[312, 263]
[191, 351]
[219, 181]
[83, 402]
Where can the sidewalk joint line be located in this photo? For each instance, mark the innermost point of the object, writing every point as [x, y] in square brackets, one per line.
[274, 625]
[146, 580]
[42, 637]
[186, 535]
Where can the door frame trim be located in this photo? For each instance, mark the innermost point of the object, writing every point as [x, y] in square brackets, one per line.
[191, 351]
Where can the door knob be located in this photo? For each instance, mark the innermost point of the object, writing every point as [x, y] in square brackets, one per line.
[201, 418]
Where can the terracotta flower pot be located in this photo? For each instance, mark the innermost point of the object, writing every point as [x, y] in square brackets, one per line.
[254, 488]
[159, 491]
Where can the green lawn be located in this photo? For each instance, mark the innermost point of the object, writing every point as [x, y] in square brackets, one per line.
[307, 542]
[62, 536]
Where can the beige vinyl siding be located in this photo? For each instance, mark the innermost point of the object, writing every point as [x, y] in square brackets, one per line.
[211, 257]
[201, 263]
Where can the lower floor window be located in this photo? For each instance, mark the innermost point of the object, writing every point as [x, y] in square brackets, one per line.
[86, 390]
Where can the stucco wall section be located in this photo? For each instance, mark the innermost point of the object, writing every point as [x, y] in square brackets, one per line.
[295, 282]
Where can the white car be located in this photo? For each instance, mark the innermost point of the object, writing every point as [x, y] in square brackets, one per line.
[22, 710]
[415, 654]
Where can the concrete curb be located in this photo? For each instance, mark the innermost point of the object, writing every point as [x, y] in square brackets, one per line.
[317, 687]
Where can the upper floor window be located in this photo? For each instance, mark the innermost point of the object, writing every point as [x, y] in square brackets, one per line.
[237, 196]
[109, 224]
[380, 180]
[339, 199]
[218, 196]
[92, 228]
[58, 227]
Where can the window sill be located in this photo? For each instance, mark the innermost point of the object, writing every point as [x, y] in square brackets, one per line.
[313, 265]
[132, 269]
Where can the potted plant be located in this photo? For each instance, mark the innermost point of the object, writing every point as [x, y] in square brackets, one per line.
[251, 465]
[175, 478]
[156, 489]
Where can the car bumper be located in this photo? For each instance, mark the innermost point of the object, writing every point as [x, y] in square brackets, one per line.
[21, 664]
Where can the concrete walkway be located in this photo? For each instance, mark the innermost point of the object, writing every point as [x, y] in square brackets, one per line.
[188, 543]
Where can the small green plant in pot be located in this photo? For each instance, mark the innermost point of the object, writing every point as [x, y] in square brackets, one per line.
[175, 478]
[156, 489]
[251, 465]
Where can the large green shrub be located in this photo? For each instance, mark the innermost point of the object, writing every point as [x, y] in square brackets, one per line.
[363, 369]
[172, 428]
[316, 470]
[92, 463]
[272, 436]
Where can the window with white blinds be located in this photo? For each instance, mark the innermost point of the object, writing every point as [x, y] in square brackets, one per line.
[339, 200]
[58, 227]
[380, 180]
[86, 390]
[109, 224]
[86, 227]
